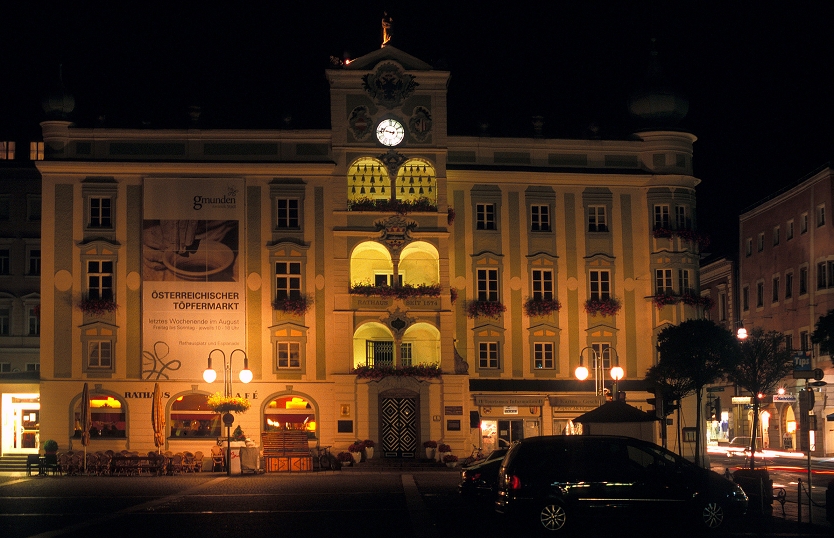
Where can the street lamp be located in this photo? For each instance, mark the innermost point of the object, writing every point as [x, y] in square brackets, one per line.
[209, 375]
[616, 372]
[741, 333]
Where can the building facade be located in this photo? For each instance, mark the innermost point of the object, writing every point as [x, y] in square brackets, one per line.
[380, 279]
[786, 283]
[20, 269]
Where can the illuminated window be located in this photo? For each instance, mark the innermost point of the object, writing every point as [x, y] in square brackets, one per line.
[289, 354]
[379, 353]
[107, 417]
[6, 150]
[543, 356]
[405, 353]
[192, 417]
[488, 355]
[540, 218]
[291, 413]
[597, 218]
[485, 216]
[35, 151]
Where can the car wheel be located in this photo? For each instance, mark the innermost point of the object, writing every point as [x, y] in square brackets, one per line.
[552, 517]
[712, 514]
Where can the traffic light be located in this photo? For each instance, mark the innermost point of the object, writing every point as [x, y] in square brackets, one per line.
[666, 408]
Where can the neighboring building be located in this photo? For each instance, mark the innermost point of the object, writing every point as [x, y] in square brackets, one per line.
[786, 283]
[322, 259]
[718, 284]
[20, 281]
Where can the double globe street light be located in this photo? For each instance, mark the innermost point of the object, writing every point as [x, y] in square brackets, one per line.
[209, 375]
[616, 371]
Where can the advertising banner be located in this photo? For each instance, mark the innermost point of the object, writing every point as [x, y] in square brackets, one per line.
[192, 274]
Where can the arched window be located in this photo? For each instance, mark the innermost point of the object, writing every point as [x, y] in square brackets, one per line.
[421, 345]
[368, 179]
[291, 412]
[191, 417]
[373, 345]
[419, 264]
[417, 179]
[107, 417]
[370, 264]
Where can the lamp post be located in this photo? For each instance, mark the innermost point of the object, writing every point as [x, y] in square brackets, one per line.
[616, 372]
[209, 375]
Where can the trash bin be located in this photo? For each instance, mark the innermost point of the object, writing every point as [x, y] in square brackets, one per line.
[758, 486]
[829, 502]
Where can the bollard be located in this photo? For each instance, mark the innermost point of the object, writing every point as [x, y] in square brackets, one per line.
[799, 501]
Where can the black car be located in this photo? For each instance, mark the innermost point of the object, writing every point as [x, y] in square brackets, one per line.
[559, 482]
[480, 480]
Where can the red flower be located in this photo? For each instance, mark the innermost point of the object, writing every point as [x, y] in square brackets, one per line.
[603, 307]
[490, 309]
[540, 307]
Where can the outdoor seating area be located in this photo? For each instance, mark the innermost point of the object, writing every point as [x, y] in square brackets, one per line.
[125, 463]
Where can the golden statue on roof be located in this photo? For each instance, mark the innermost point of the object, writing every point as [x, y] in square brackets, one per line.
[387, 22]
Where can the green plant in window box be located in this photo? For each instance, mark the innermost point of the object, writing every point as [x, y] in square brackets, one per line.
[489, 309]
[221, 404]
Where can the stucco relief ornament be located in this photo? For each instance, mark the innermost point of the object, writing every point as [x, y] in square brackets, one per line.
[398, 322]
[395, 231]
[393, 160]
[389, 85]
[361, 123]
[419, 124]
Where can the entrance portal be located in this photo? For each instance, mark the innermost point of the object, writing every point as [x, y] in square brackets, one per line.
[398, 426]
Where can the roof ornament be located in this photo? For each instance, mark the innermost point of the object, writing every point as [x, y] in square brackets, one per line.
[387, 23]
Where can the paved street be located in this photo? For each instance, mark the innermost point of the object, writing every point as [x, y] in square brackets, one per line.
[419, 504]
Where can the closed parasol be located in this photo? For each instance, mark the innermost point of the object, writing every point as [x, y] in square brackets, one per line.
[158, 417]
[85, 421]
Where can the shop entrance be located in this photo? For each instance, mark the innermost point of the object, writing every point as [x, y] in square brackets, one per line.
[510, 431]
[21, 423]
[398, 425]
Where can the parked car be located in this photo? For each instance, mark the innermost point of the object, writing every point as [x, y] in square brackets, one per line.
[480, 480]
[559, 482]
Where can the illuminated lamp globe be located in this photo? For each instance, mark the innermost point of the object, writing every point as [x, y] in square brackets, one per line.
[617, 373]
[246, 375]
[581, 373]
[209, 375]
[742, 333]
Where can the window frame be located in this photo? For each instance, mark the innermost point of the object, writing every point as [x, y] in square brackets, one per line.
[540, 218]
[776, 286]
[485, 216]
[684, 281]
[663, 281]
[789, 230]
[487, 284]
[540, 356]
[287, 290]
[776, 233]
[745, 298]
[598, 218]
[662, 217]
[489, 355]
[803, 281]
[760, 242]
[820, 215]
[284, 219]
[539, 284]
[788, 285]
[803, 223]
[289, 361]
[603, 291]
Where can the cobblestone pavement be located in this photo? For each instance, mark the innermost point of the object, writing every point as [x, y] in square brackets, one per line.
[406, 504]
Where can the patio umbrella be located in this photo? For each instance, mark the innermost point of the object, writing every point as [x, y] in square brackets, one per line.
[158, 417]
[85, 421]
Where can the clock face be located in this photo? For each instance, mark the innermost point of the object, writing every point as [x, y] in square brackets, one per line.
[390, 132]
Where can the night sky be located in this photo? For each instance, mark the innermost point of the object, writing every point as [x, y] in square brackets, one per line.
[758, 75]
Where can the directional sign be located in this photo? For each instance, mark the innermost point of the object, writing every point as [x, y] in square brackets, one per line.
[803, 374]
[818, 383]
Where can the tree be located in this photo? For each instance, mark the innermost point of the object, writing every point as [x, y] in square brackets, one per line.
[696, 353]
[824, 334]
[763, 363]
[669, 387]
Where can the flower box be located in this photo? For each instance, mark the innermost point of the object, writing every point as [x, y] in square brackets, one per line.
[97, 307]
[406, 291]
[403, 207]
[663, 299]
[297, 305]
[429, 371]
[534, 307]
[603, 307]
[489, 309]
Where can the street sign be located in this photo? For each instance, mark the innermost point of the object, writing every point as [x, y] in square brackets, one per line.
[818, 374]
[818, 383]
[803, 374]
[715, 389]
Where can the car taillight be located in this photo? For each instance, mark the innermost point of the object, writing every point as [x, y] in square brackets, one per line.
[513, 482]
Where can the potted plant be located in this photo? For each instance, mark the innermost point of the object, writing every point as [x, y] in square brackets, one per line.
[232, 404]
[238, 434]
[344, 458]
[430, 447]
[355, 450]
[450, 460]
[50, 446]
[443, 450]
[369, 448]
